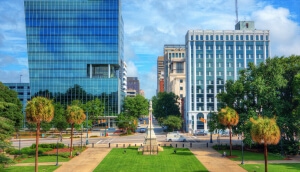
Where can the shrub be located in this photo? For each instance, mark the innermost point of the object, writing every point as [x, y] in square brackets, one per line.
[10, 150]
[48, 145]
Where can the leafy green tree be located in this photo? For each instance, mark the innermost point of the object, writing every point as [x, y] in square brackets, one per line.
[59, 121]
[95, 108]
[136, 106]
[10, 106]
[267, 89]
[165, 104]
[6, 129]
[74, 115]
[126, 122]
[265, 131]
[173, 122]
[228, 117]
[39, 109]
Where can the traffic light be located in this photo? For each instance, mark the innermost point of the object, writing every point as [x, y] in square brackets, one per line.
[202, 120]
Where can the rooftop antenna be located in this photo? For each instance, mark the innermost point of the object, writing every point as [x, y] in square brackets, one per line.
[236, 11]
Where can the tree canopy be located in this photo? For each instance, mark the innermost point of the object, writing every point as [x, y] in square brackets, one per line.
[10, 106]
[173, 122]
[268, 89]
[39, 109]
[265, 131]
[165, 104]
[136, 106]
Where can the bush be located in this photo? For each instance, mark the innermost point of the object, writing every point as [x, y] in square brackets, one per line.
[48, 145]
[10, 150]
[4, 160]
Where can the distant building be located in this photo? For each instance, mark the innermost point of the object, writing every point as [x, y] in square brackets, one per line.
[124, 77]
[174, 69]
[75, 50]
[142, 93]
[213, 57]
[131, 93]
[23, 90]
[133, 83]
[160, 73]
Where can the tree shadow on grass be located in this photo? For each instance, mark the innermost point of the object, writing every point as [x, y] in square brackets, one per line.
[184, 153]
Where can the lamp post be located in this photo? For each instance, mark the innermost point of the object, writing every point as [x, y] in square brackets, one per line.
[19, 135]
[242, 150]
[87, 131]
[211, 141]
[81, 136]
[281, 140]
[105, 125]
[57, 153]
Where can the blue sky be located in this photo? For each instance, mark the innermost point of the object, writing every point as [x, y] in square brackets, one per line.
[149, 24]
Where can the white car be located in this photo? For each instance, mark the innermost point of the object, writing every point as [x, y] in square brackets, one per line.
[175, 137]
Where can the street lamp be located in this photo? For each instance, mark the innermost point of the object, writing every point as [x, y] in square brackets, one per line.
[57, 153]
[281, 140]
[211, 141]
[105, 125]
[242, 150]
[87, 131]
[19, 135]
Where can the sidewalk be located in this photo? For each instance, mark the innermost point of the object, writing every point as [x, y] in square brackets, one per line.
[214, 162]
[87, 161]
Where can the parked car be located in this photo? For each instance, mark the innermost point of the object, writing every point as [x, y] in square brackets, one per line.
[142, 130]
[200, 133]
[225, 134]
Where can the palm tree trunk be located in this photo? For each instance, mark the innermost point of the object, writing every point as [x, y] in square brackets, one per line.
[72, 126]
[266, 156]
[38, 125]
[230, 141]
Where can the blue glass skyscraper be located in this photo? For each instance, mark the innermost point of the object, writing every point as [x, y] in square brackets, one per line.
[214, 56]
[75, 50]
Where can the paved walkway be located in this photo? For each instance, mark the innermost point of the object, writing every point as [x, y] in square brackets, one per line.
[87, 161]
[214, 162]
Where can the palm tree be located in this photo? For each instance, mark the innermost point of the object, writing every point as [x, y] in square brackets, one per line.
[37, 110]
[74, 115]
[229, 118]
[265, 131]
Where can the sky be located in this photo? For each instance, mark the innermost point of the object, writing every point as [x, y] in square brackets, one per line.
[150, 24]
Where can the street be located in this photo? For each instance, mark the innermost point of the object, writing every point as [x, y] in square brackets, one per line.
[137, 138]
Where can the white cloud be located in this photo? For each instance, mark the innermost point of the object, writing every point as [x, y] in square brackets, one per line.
[284, 33]
[131, 69]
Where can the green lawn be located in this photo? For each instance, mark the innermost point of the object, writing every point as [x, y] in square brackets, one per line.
[45, 159]
[250, 156]
[165, 161]
[272, 167]
[45, 168]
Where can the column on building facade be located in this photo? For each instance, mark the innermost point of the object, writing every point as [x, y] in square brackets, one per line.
[245, 54]
[108, 122]
[195, 122]
[108, 70]
[234, 60]
[215, 75]
[194, 74]
[265, 50]
[225, 60]
[91, 70]
[204, 76]
[205, 117]
[254, 52]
